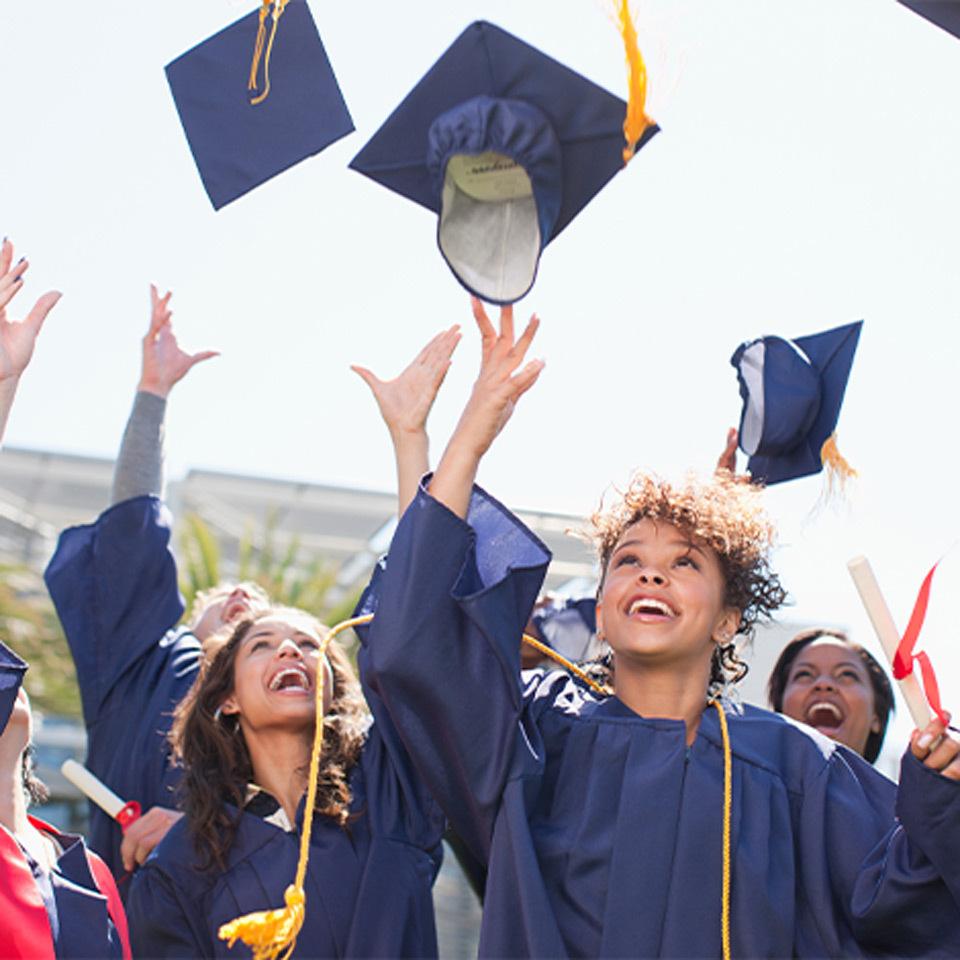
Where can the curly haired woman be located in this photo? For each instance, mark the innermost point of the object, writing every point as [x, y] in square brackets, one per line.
[244, 736]
[659, 820]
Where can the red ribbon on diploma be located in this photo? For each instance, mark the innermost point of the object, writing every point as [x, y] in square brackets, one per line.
[905, 658]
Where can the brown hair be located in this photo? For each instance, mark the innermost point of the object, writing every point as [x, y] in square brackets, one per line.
[723, 513]
[203, 598]
[214, 755]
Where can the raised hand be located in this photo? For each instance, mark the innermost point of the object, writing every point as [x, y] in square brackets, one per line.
[405, 404]
[503, 379]
[499, 385]
[728, 459]
[406, 400]
[164, 363]
[18, 337]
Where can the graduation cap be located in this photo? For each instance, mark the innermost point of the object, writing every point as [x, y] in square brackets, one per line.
[507, 145]
[792, 391]
[944, 13]
[239, 138]
[12, 669]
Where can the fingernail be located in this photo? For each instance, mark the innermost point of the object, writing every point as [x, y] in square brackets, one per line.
[924, 741]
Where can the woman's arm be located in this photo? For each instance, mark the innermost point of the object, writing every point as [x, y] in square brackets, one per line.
[405, 403]
[139, 468]
[17, 337]
[442, 654]
[495, 394]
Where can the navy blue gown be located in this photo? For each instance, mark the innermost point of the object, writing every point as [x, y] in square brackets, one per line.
[368, 887]
[602, 829]
[114, 584]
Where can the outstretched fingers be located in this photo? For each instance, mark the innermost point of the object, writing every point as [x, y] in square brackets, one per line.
[526, 378]
[367, 376]
[160, 313]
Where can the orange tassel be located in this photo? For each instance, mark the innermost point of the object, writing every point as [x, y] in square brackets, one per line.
[636, 120]
[838, 470]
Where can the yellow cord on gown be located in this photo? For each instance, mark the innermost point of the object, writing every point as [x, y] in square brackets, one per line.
[272, 934]
[727, 809]
[258, 47]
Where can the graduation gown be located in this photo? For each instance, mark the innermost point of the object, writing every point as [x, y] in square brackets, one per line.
[368, 888]
[602, 829]
[114, 584]
[73, 911]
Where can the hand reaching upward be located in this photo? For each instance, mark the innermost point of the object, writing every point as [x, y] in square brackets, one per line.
[503, 379]
[164, 363]
[406, 400]
[18, 337]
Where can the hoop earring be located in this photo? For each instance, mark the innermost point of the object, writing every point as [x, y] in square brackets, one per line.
[218, 714]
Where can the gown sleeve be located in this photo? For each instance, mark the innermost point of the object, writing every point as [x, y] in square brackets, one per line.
[163, 918]
[114, 584]
[443, 652]
[893, 898]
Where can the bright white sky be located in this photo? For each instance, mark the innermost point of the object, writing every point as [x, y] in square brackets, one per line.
[806, 176]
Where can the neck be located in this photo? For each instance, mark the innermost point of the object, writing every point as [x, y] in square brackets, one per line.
[13, 803]
[281, 760]
[663, 691]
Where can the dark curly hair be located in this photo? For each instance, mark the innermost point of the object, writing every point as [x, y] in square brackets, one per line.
[213, 753]
[883, 704]
[723, 513]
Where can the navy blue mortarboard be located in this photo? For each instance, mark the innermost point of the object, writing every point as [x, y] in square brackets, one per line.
[507, 145]
[12, 669]
[944, 13]
[792, 391]
[238, 139]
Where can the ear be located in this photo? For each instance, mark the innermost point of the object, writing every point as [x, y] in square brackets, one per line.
[230, 707]
[600, 617]
[726, 626]
[875, 724]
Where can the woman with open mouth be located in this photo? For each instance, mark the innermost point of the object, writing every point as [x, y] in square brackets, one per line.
[655, 819]
[244, 735]
[826, 681]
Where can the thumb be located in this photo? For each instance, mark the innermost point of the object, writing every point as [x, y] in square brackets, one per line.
[41, 308]
[203, 355]
[367, 376]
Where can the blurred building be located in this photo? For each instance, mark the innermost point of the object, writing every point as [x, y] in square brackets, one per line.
[42, 492]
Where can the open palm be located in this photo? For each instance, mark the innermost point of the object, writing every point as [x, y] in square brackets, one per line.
[164, 362]
[18, 337]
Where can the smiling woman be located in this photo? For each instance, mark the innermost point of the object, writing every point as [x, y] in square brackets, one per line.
[244, 736]
[825, 680]
[662, 820]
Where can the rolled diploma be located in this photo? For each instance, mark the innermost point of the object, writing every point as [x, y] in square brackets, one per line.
[92, 788]
[879, 613]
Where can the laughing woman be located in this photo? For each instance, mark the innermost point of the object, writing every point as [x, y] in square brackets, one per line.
[659, 821]
[244, 735]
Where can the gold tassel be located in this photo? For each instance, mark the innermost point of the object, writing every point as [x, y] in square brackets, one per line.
[258, 48]
[636, 120]
[272, 934]
[838, 470]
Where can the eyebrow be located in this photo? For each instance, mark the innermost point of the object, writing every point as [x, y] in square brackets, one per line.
[689, 544]
[813, 666]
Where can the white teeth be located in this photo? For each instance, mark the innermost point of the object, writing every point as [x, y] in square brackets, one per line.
[825, 705]
[649, 605]
[297, 673]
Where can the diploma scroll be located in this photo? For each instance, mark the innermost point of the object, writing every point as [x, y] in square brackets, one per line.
[100, 794]
[889, 637]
